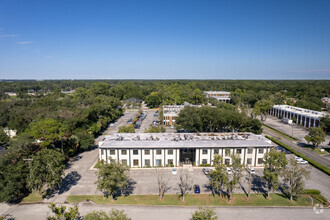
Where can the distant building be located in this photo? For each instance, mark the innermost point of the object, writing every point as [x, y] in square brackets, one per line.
[305, 117]
[326, 101]
[68, 92]
[164, 149]
[221, 96]
[11, 133]
[171, 112]
[11, 93]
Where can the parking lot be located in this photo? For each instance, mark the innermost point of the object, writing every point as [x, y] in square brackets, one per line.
[145, 180]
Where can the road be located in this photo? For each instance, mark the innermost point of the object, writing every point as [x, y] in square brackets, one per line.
[41, 211]
[310, 154]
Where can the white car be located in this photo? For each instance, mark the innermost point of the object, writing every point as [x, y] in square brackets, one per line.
[174, 171]
[228, 170]
[302, 161]
[251, 169]
[298, 158]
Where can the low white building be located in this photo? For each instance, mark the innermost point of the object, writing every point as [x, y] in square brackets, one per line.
[305, 117]
[221, 96]
[164, 149]
[171, 112]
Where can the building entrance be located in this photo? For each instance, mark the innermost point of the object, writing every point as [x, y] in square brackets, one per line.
[187, 155]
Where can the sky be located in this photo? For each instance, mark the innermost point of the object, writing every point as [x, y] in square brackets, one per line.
[165, 39]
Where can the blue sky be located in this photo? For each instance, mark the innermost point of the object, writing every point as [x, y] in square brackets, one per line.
[205, 39]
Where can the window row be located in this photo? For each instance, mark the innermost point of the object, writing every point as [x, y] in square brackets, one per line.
[147, 162]
[170, 152]
[248, 161]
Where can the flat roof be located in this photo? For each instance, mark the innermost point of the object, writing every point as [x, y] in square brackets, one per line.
[302, 111]
[183, 140]
[217, 92]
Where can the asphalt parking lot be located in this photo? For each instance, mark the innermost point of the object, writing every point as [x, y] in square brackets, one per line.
[146, 181]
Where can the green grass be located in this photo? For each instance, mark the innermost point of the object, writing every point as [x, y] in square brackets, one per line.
[194, 200]
[32, 198]
[312, 162]
[281, 133]
[98, 164]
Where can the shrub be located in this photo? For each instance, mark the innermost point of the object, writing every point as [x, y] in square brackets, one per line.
[312, 192]
[320, 199]
[205, 165]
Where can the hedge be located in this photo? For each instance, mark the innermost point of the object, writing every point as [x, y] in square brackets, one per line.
[312, 192]
[312, 162]
[320, 199]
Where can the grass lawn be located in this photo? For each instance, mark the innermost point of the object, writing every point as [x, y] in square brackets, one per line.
[32, 198]
[98, 164]
[194, 200]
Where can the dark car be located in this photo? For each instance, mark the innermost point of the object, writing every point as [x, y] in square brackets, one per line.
[197, 189]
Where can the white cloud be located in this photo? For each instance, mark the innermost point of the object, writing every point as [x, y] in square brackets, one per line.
[24, 42]
[8, 35]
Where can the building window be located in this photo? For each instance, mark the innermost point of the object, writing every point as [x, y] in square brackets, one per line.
[204, 151]
[146, 152]
[169, 161]
[158, 162]
[227, 152]
[124, 162]
[227, 161]
[102, 151]
[249, 161]
[112, 152]
[216, 151]
[238, 151]
[260, 161]
[123, 152]
[158, 152]
[135, 162]
[250, 151]
[135, 152]
[147, 162]
[170, 152]
[204, 161]
[260, 150]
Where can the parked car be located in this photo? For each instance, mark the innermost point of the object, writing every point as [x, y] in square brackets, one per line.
[197, 189]
[250, 169]
[228, 170]
[112, 124]
[302, 161]
[172, 126]
[174, 171]
[206, 171]
[156, 115]
[298, 158]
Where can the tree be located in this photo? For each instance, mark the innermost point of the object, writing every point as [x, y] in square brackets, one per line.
[218, 176]
[316, 136]
[185, 182]
[325, 123]
[153, 100]
[112, 177]
[4, 138]
[61, 213]
[162, 182]
[274, 163]
[262, 107]
[47, 130]
[126, 129]
[114, 214]
[293, 176]
[46, 169]
[235, 178]
[204, 214]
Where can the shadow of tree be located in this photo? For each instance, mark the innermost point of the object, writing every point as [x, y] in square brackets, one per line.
[70, 180]
[258, 184]
[129, 188]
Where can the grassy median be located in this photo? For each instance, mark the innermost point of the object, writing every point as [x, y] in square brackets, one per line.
[32, 198]
[194, 200]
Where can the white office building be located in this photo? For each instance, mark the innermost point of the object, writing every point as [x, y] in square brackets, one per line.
[221, 96]
[164, 149]
[305, 117]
